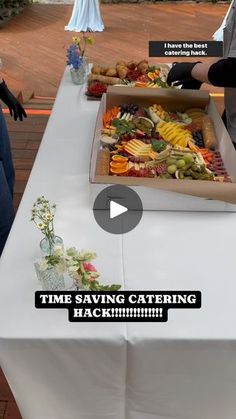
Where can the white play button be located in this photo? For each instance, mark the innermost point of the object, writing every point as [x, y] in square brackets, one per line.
[116, 209]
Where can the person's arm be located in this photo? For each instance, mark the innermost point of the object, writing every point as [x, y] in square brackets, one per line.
[200, 72]
[16, 109]
[221, 73]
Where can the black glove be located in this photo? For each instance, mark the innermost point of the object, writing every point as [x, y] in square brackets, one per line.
[180, 74]
[12, 103]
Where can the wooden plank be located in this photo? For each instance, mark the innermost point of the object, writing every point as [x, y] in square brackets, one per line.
[20, 186]
[33, 145]
[129, 27]
[24, 154]
[25, 136]
[5, 392]
[22, 174]
[27, 127]
[16, 200]
[25, 164]
[3, 408]
[12, 411]
[16, 144]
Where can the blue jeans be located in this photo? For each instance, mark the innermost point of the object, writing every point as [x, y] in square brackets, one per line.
[7, 178]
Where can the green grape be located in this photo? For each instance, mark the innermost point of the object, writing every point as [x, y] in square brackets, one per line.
[181, 163]
[171, 169]
[188, 158]
[171, 161]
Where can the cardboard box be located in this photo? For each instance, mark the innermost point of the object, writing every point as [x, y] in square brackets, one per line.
[170, 194]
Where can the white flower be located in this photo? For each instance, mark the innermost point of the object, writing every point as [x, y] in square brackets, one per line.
[87, 255]
[58, 250]
[69, 261]
[41, 226]
[49, 217]
[72, 252]
[43, 266]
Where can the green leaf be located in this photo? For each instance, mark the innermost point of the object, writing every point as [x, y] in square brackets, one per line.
[160, 82]
[159, 145]
[114, 287]
[122, 126]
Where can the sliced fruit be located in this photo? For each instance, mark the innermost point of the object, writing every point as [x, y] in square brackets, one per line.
[119, 159]
[119, 170]
[174, 133]
[117, 165]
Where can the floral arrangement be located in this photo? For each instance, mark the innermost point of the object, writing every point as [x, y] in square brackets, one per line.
[76, 51]
[42, 215]
[74, 60]
[77, 264]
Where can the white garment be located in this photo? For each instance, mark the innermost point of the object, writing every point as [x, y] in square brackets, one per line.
[85, 17]
[218, 35]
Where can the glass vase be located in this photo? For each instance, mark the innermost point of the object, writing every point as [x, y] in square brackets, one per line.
[77, 284]
[50, 279]
[47, 246]
[86, 65]
[78, 76]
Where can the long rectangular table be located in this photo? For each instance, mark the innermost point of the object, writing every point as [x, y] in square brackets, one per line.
[183, 369]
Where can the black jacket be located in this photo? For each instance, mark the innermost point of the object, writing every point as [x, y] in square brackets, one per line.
[223, 73]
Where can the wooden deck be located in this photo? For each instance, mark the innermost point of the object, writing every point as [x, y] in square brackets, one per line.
[33, 48]
[8, 408]
[25, 140]
[33, 44]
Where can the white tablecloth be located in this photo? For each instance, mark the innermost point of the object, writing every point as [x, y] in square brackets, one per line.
[183, 369]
